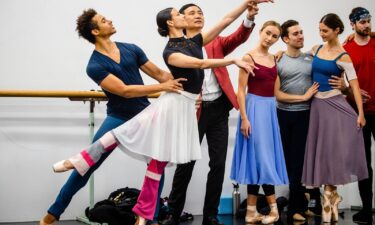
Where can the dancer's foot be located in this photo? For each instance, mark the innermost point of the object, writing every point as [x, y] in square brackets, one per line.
[335, 200]
[273, 216]
[140, 221]
[327, 207]
[298, 217]
[62, 166]
[47, 220]
[252, 215]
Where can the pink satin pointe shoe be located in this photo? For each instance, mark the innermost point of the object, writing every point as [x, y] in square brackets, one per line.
[270, 218]
[252, 215]
[326, 207]
[62, 166]
[273, 216]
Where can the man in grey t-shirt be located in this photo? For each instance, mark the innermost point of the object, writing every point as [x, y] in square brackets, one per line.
[294, 70]
[293, 91]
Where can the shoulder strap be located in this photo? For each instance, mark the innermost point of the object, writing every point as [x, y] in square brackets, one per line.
[339, 56]
[316, 53]
[251, 57]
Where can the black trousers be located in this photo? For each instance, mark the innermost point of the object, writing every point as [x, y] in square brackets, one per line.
[213, 123]
[365, 186]
[293, 128]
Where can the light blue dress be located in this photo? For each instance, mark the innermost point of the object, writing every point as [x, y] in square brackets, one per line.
[259, 159]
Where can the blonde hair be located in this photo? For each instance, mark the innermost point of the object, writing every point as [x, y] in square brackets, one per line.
[271, 23]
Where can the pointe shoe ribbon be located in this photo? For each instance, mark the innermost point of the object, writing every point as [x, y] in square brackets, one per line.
[335, 200]
[326, 207]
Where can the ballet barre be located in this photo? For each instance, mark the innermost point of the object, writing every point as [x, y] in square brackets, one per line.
[91, 96]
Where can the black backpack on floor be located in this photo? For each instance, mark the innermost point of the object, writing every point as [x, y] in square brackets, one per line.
[117, 209]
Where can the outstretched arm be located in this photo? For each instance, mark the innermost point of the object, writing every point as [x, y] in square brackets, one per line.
[114, 85]
[184, 61]
[227, 20]
[231, 42]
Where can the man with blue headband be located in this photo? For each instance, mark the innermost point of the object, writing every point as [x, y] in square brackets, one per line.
[362, 52]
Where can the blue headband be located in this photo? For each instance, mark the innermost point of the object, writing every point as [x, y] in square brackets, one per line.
[360, 14]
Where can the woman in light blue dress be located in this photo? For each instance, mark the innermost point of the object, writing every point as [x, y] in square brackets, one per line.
[258, 157]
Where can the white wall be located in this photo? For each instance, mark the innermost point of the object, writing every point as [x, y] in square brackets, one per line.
[39, 49]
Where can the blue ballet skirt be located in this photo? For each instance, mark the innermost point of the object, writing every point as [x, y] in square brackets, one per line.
[259, 159]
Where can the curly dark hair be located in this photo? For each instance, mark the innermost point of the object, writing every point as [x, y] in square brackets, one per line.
[85, 25]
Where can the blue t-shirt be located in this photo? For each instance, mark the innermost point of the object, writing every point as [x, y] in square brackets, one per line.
[131, 58]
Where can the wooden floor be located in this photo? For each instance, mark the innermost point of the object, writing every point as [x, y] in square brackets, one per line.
[345, 219]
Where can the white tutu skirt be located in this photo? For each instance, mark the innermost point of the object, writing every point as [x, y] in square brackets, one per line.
[167, 130]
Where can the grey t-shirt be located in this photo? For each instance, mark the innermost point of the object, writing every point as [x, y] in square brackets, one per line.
[295, 78]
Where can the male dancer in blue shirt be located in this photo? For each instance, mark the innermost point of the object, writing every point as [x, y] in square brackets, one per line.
[115, 67]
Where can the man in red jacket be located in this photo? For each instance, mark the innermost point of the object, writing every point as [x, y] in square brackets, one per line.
[362, 52]
[218, 99]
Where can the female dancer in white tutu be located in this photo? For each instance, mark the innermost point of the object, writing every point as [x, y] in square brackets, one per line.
[166, 131]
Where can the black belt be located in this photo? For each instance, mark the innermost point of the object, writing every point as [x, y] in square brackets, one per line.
[214, 102]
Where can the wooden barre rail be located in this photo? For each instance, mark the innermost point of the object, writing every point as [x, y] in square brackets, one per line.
[59, 94]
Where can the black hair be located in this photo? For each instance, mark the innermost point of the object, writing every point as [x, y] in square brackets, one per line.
[184, 7]
[333, 21]
[161, 20]
[285, 27]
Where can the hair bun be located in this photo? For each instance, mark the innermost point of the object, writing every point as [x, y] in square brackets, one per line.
[162, 32]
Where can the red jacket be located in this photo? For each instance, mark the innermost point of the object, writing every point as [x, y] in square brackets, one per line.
[218, 49]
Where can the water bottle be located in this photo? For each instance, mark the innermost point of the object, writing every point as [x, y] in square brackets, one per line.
[236, 198]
